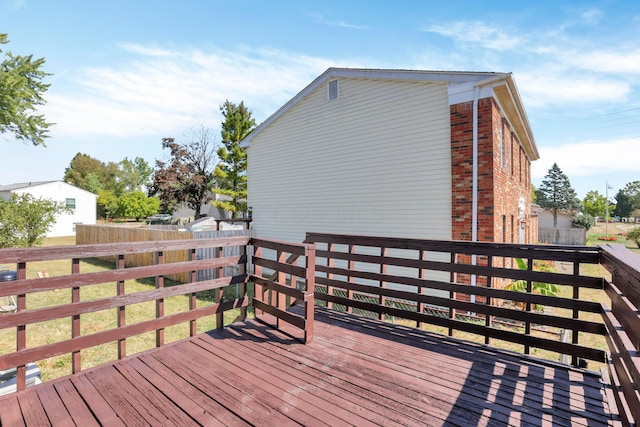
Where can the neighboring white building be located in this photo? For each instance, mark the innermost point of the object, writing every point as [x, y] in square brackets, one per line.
[545, 219]
[82, 203]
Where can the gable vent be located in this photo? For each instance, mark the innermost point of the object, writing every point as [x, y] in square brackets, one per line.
[333, 89]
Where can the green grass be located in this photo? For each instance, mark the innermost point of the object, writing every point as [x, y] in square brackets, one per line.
[60, 329]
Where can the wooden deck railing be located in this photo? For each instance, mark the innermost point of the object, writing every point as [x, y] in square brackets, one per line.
[623, 328]
[78, 305]
[459, 286]
[455, 285]
[282, 280]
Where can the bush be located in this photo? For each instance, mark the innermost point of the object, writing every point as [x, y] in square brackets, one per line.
[634, 235]
[585, 221]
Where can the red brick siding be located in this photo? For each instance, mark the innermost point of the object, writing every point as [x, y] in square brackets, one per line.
[500, 183]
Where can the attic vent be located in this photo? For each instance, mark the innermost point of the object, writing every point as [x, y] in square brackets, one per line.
[333, 90]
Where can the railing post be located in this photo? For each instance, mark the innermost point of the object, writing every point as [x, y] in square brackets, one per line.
[527, 324]
[159, 301]
[576, 313]
[350, 266]
[21, 331]
[219, 293]
[280, 298]
[75, 319]
[421, 275]
[258, 290]
[452, 295]
[193, 277]
[382, 300]
[122, 343]
[488, 300]
[310, 280]
[330, 263]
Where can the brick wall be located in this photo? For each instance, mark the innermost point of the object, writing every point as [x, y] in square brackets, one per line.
[503, 176]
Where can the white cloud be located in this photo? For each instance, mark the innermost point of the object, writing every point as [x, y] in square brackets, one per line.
[544, 87]
[590, 158]
[158, 91]
[478, 33]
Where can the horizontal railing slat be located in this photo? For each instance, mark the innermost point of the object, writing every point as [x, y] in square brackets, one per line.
[507, 313]
[28, 317]
[131, 273]
[480, 270]
[28, 355]
[582, 254]
[514, 337]
[297, 321]
[552, 301]
[48, 253]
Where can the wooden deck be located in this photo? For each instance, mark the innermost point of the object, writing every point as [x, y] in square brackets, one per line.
[356, 372]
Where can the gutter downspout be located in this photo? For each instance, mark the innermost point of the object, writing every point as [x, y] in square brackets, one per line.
[474, 192]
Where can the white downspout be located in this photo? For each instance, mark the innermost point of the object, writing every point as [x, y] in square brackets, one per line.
[474, 193]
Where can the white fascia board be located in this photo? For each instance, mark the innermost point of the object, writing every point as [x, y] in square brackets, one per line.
[464, 92]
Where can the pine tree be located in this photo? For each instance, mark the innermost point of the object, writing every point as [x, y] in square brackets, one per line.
[231, 173]
[556, 192]
[21, 90]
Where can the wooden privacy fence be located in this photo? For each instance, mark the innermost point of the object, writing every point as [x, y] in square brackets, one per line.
[96, 234]
[119, 304]
[562, 236]
[99, 234]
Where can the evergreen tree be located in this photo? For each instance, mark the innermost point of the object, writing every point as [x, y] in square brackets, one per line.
[556, 192]
[231, 173]
[628, 199]
[21, 90]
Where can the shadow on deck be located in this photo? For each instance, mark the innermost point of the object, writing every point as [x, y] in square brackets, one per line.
[357, 371]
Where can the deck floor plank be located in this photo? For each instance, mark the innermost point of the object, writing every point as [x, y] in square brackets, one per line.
[300, 384]
[32, 409]
[356, 372]
[54, 407]
[11, 415]
[80, 415]
[429, 364]
[192, 401]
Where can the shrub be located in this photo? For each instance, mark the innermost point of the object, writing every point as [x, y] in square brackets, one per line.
[634, 235]
[585, 221]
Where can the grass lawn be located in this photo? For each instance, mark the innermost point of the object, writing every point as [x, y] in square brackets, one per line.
[59, 330]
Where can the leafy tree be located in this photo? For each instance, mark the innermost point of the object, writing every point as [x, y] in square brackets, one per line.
[93, 175]
[107, 204]
[595, 204]
[188, 177]
[21, 90]
[634, 235]
[134, 175]
[25, 220]
[231, 172]
[628, 199]
[556, 192]
[136, 205]
[583, 220]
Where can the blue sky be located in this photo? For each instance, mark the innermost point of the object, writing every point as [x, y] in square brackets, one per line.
[128, 73]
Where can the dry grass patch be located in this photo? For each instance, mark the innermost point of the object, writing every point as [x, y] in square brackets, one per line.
[60, 329]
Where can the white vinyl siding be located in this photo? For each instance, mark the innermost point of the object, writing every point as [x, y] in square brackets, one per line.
[375, 161]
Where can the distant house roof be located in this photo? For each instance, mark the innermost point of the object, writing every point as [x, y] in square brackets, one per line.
[24, 185]
[21, 185]
[503, 85]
